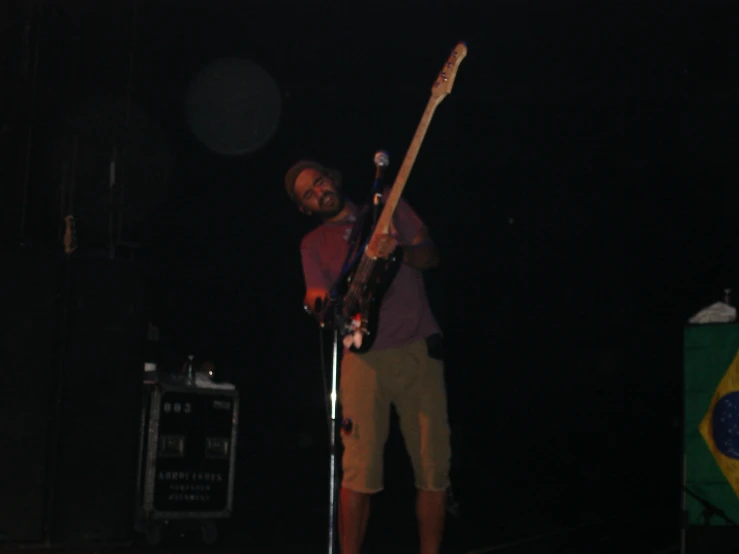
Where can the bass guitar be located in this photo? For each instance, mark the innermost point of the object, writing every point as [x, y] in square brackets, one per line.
[359, 291]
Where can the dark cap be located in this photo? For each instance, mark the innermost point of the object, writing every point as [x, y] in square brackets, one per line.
[292, 175]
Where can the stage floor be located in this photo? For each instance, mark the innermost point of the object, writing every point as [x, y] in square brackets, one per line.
[288, 515]
[278, 539]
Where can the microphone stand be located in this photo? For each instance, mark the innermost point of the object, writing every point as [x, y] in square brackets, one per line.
[336, 323]
[333, 474]
[331, 401]
[334, 424]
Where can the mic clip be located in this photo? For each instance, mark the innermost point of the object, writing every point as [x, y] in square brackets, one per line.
[382, 160]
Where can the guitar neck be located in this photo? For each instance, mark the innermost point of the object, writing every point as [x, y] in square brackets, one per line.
[442, 87]
[391, 202]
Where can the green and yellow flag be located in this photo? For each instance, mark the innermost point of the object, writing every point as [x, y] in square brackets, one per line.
[720, 425]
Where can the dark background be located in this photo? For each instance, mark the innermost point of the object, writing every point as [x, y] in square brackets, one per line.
[580, 181]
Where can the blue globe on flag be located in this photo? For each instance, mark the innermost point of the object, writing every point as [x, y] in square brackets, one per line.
[726, 425]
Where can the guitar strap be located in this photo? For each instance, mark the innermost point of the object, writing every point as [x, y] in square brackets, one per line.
[351, 252]
[352, 240]
[353, 237]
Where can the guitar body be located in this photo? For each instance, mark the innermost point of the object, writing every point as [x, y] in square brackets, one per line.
[361, 290]
[366, 311]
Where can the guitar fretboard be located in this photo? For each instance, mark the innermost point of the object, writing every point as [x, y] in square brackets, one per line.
[391, 202]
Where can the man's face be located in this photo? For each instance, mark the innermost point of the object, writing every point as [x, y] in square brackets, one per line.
[317, 194]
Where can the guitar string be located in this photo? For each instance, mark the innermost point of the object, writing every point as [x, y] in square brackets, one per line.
[364, 270]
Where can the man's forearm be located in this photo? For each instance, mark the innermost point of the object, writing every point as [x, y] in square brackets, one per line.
[421, 256]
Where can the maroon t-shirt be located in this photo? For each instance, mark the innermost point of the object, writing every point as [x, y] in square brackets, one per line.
[405, 314]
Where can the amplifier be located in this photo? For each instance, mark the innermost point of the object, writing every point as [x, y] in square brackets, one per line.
[187, 453]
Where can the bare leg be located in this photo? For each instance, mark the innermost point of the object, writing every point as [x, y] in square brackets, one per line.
[354, 510]
[431, 514]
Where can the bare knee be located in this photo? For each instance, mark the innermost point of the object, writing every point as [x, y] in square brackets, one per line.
[362, 480]
[354, 498]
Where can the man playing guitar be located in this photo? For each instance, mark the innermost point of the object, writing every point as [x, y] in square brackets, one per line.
[403, 368]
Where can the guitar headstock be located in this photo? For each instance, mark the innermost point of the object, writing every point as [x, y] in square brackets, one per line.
[445, 80]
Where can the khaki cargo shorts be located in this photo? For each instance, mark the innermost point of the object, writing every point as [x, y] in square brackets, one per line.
[412, 381]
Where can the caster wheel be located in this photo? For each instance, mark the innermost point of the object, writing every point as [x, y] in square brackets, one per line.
[209, 532]
[154, 534]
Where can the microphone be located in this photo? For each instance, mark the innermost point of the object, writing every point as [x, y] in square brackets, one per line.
[382, 160]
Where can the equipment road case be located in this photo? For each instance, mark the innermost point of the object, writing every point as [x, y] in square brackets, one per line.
[187, 456]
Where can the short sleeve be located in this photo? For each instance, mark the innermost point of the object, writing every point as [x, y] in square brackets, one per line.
[407, 222]
[312, 272]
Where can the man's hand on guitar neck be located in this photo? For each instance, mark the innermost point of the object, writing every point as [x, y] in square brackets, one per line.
[381, 246]
[420, 254]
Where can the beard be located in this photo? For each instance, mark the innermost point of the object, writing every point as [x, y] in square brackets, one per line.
[330, 205]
